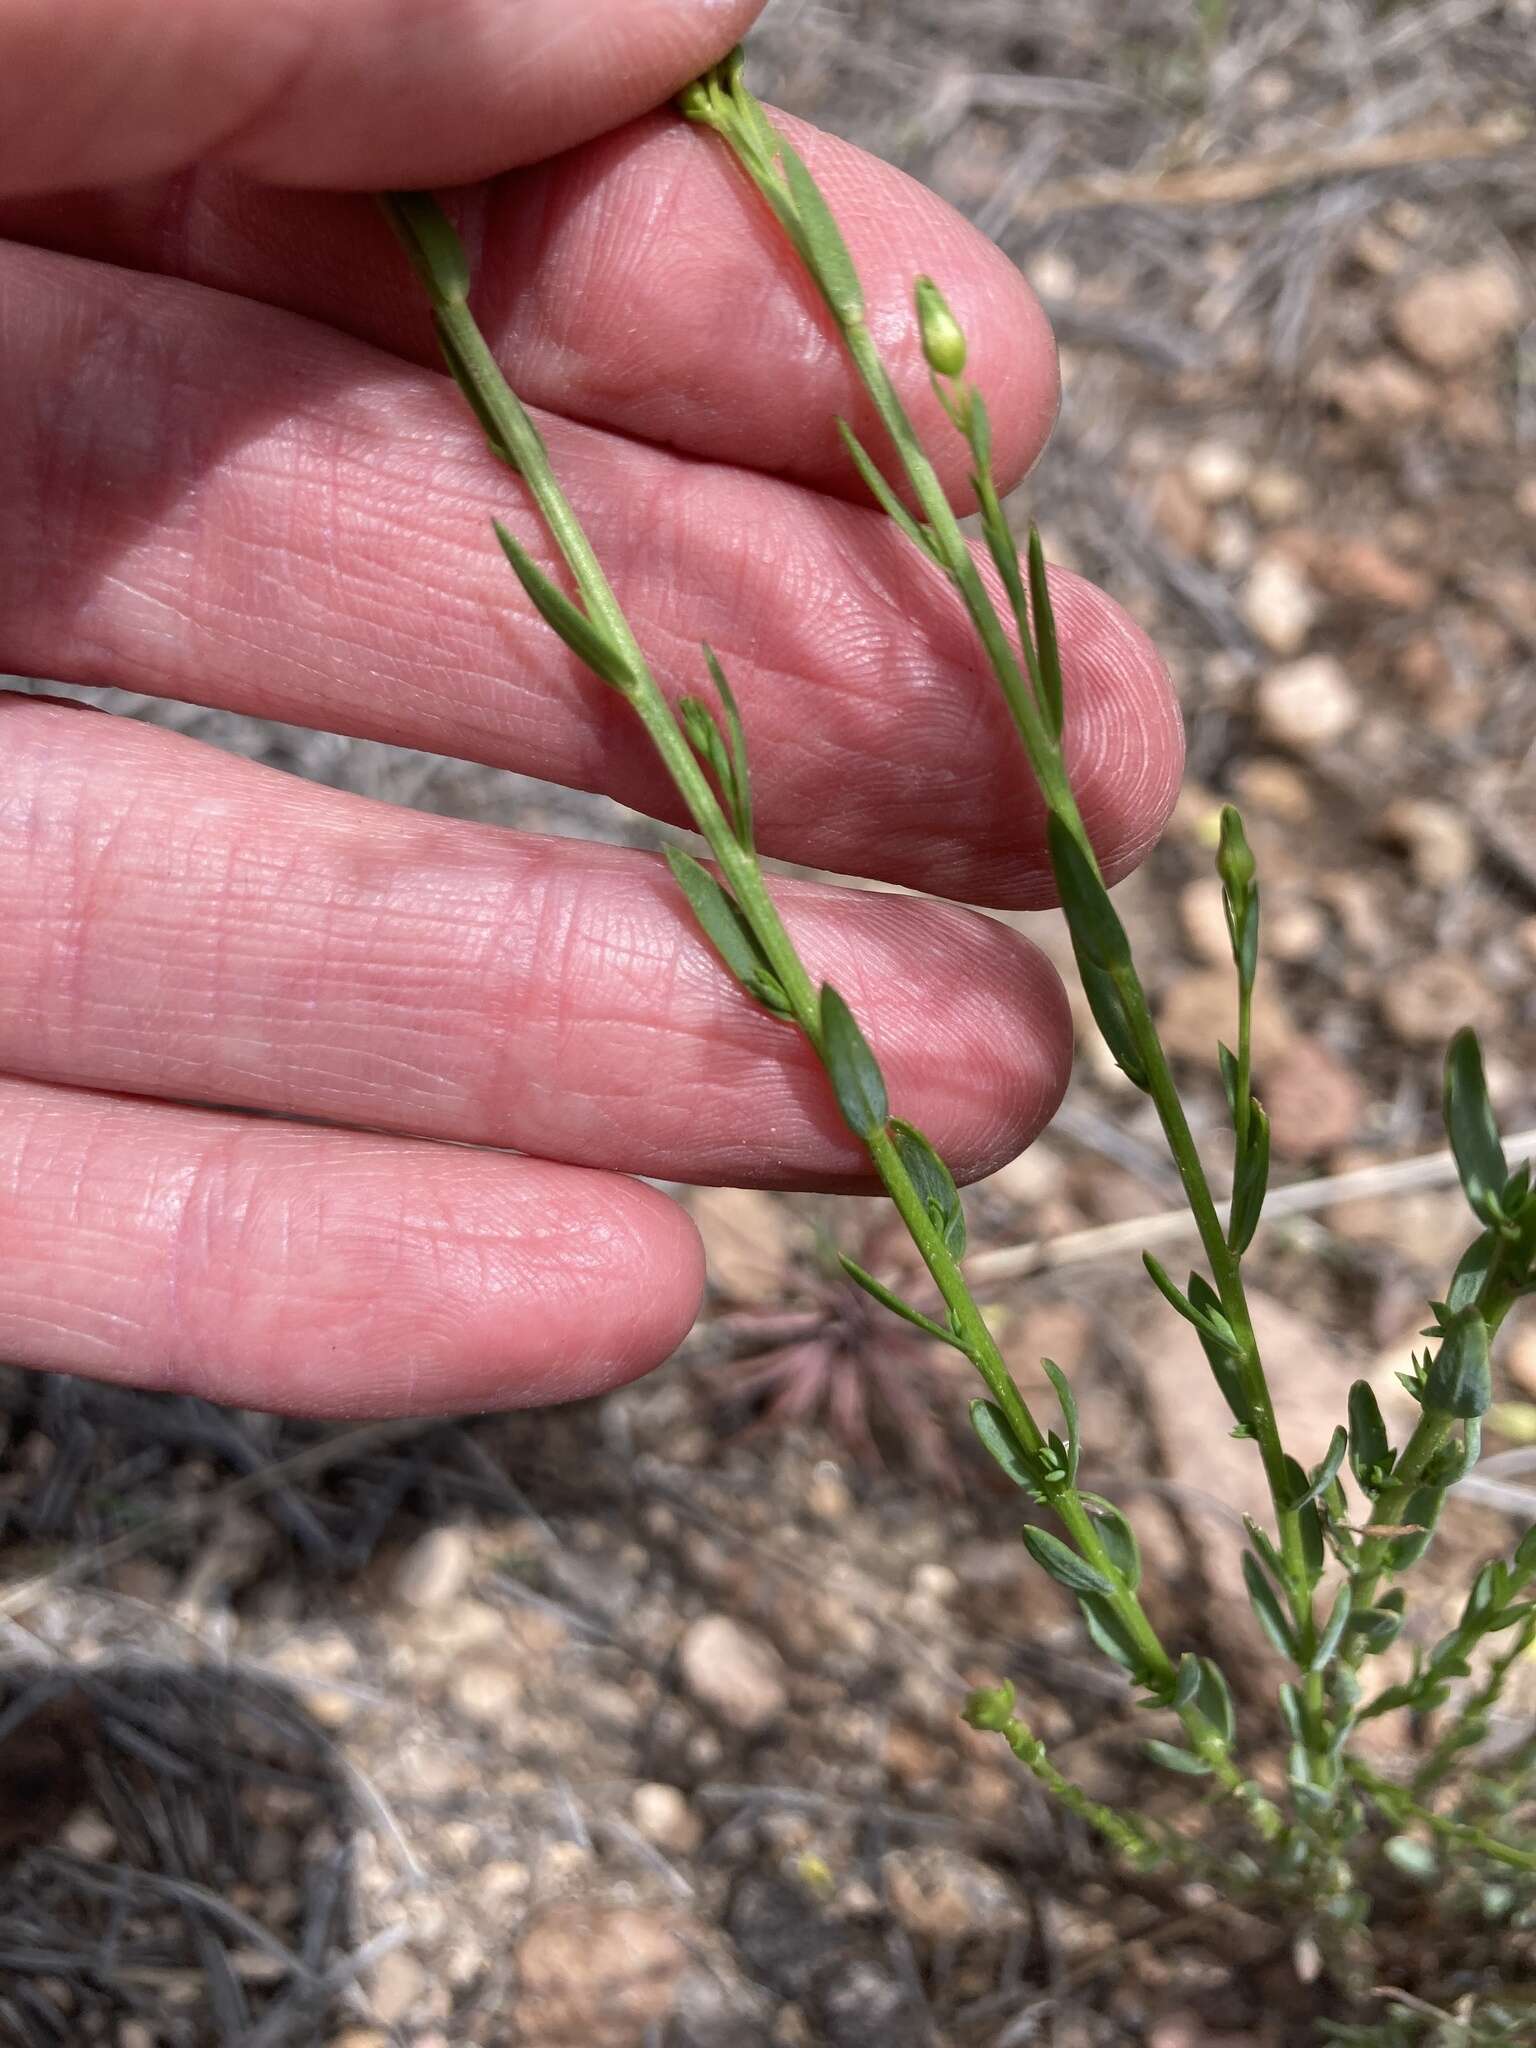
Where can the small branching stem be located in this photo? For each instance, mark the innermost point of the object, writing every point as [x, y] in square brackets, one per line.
[513, 435]
[1402, 1809]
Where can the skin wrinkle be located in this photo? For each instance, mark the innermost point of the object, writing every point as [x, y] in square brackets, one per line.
[301, 950]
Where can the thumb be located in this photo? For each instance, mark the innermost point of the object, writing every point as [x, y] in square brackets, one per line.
[340, 93]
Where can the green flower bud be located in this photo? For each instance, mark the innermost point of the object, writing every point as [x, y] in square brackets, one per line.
[943, 343]
[990, 1708]
[1234, 862]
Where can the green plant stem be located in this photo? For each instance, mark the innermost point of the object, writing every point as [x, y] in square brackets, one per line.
[1500, 1291]
[1441, 1761]
[722, 103]
[1132, 1839]
[1401, 1808]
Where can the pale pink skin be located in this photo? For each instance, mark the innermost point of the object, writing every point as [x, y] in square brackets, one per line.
[232, 475]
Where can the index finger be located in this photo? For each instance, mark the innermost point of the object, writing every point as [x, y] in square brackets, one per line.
[341, 93]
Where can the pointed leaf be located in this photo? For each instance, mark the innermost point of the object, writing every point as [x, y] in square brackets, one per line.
[934, 1183]
[436, 254]
[1119, 1539]
[1214, 1700]
[1001, 1445]
[1048, 651]
[1266, 1605]
[1109, 1015]
[1188, 1682]
[1370, 1448]
[727, 930]
[1460, 1378]
[882, 493]
[1472, 1129]
[1420, 1516]
[1065, 1396]
[1173, 1759]
[894, 1302]
[1063, 1564]
[829, 260]
[1333, 1629]
[853, 1069]
[1472, 1271]
[1251, 1182]
[585, 640]
[740, 780]
[1109, 1635]
[1317, 1483]
[1094, 921]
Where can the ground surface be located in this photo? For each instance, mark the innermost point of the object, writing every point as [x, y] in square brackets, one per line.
[631, 1725]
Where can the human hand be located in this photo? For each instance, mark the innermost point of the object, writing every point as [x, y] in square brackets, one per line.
[234, 478]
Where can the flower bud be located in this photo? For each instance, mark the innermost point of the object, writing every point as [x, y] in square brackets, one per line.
[1234, 861]
[943, 342]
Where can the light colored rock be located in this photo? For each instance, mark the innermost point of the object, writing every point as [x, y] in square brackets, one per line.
[664, 1817]
[1200, 1011]
[1273, 786]
[1217, 470]
[1437, 840]
[593, 1976]
[1426, 1001]
[1381, 391]
[1279, 603]
[1363, 570]
[1451, 319]
[939, 1894]
[1307, 704]
[1204, 920]
[486, 1692]
[436, 1569]
[826, 1493]
[734, 1672]
[352, 2037]
[748, 1241]
[1277, 495]
[399, 1981]
[1315, 1103]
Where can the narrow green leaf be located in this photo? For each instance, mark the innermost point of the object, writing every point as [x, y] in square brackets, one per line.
[1266, 1605]
[1047, 648]
[1473, 1130]
[727, 930]
[934, 1182]
[1064, 1565]
[852, 1068]
[1226, 1060]
[740, 779]
[1068, 1401]
[894, 1302]
[1173, 1759]
[1119, 1539]
[708, 742]
[1317, 1483]
[1472, 1271]
[1214, 1700]
[1420, 1515]
[1163, 1281]
[1460, 1378]
[1188, 1682]
[882, 493]
[1001, 1445]
[1380, 1627]
[1251, 1183]
[586, 641]
[1264, 1545]
[436, 254]
[1333, 1628]
[1310, 1525]
[1370, 1448]
[822, 239]
[1094, 921]
[1109, 1635]
[1109, 1014]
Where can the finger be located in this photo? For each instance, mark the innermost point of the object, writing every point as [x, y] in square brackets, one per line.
[638, 283]
[175, 923]
[211, 500]
[323, 1272]
[345, 93]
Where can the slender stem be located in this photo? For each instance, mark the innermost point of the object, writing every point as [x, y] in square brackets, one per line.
[1400, 1807]
[1433, 1430]
[513, 434]
[1441, 1761]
